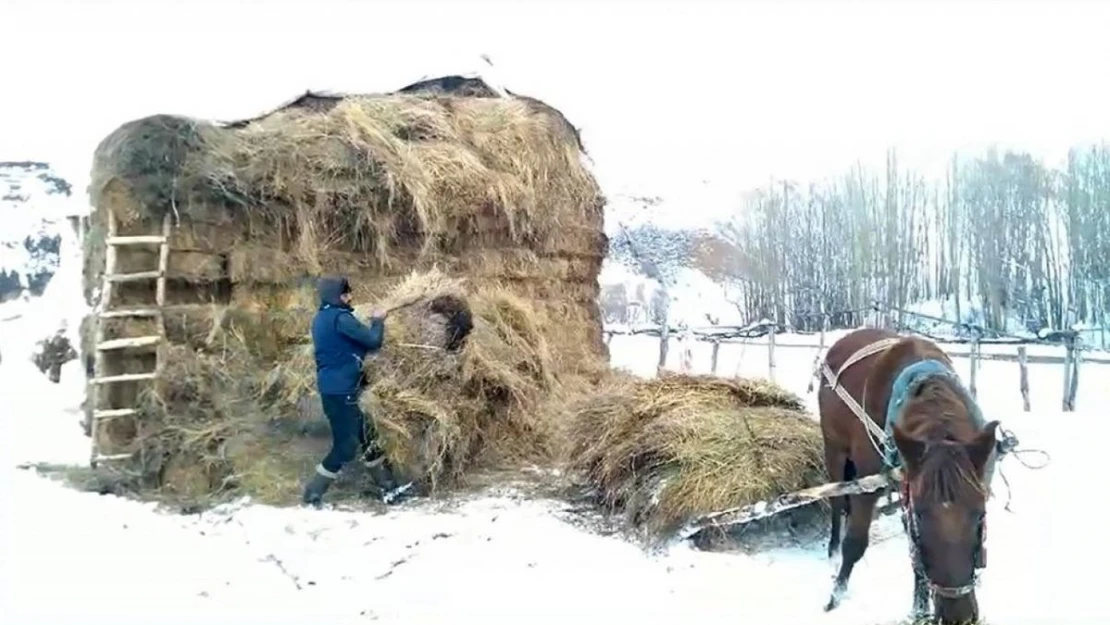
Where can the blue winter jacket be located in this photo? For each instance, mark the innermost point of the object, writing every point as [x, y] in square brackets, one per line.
[340, 341]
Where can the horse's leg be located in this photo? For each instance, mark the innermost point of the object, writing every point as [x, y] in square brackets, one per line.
[835, 463]
[862, 509]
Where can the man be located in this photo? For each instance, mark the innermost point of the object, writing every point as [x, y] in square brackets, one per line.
[340, 343]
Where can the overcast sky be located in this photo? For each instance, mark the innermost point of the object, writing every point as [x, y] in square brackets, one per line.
[668, 94]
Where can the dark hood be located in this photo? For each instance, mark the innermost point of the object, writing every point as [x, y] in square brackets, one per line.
[331, 288]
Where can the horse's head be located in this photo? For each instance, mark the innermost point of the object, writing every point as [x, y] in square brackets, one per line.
[945, 499]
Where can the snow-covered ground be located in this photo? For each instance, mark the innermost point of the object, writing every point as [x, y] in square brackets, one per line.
[70, 556]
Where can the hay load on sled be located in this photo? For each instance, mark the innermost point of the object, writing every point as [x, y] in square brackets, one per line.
[443, 196]
[670, 450]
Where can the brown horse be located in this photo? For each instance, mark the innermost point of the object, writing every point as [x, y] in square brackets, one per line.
[940, 440]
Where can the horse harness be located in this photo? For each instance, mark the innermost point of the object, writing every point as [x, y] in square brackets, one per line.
[912, 529]
[875, 434]
[882, 444]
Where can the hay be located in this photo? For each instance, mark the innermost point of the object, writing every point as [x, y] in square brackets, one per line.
[205, 433]
[457, 385]
[372, 187]
[458, 382]
[371, 174]
[490, 191]
[665, 450]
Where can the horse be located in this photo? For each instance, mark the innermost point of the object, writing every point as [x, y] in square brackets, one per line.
[890, 401]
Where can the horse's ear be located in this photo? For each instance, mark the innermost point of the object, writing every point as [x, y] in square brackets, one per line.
[981, 447]
[909, 448]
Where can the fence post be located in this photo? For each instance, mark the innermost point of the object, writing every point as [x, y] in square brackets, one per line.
[608, 338]
[1069, 356]
[974, 355]
[664, 339]
[687, 355]
[1073, 388]
[771, 353]
[716, 352]
[1023, 372]
[820, 346]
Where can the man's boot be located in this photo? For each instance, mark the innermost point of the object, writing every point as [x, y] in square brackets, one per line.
[315, 489]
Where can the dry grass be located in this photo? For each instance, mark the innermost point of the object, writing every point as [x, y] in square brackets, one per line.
[458, 384]
[372, 174]
[206, 432]
[373, 187]
[666, 450]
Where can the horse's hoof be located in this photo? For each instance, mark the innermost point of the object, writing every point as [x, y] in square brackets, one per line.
[831, 605]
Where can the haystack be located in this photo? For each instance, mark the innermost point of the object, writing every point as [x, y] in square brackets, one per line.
[443, 174]
[668, 449]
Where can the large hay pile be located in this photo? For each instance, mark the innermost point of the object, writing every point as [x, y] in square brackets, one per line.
[459, 378]
[665, 450]
[484, 188]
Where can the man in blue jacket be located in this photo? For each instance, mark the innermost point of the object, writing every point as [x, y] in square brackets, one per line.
[340, 343]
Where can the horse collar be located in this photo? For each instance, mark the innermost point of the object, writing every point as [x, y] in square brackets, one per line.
[905, 383]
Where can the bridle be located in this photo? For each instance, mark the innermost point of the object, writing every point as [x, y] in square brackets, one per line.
[910, 523]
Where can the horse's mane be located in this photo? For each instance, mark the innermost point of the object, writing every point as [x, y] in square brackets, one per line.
[947, 475]
[935, 413]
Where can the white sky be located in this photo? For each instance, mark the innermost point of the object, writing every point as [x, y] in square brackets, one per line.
[668, 94]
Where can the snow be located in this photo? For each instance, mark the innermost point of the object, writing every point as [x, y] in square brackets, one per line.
[25, 321]
[501, 558]
[696, 300]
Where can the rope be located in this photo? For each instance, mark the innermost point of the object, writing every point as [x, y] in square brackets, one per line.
[875, 433]
[1009, 447]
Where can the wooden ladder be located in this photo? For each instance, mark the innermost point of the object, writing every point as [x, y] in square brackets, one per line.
[103, 346]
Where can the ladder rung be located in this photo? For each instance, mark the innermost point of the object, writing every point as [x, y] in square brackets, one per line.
[127, 377]
[116, 412]
[137, 240]
[133, 277]
[112, 457]
[129, 342]
[130, 312]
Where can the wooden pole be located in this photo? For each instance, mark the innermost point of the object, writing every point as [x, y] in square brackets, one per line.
[1023, 372]
[1069, 355]
[764, 509]
[663, 339]
[686, 357]
[974, 356]
[1073, 388]
[771, 353]
[820, 345]
[608, 338]
[716, 353]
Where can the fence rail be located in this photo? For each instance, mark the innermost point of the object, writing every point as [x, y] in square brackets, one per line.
[763, 333]
[1034, 359]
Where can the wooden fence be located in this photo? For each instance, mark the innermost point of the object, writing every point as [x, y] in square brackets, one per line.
[763, 334]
